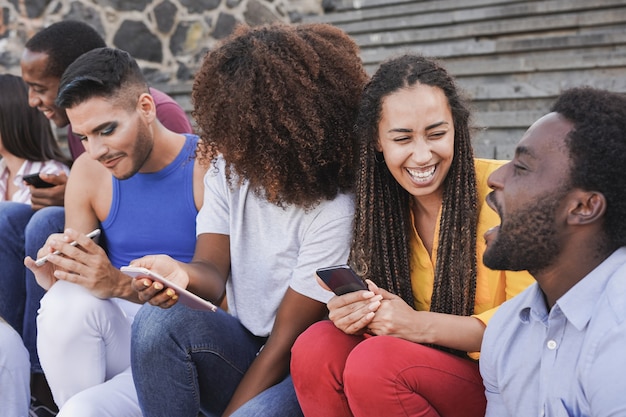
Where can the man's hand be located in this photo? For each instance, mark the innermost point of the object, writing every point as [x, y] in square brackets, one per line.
[52, 196]
[44, 274]
[85, 264]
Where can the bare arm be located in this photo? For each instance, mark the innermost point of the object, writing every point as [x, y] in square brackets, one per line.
[295, 314]
[396, 318]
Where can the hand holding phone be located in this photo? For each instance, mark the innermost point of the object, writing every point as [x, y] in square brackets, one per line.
[341, 279]
[44, 259]
[186, 297]
[36, 181]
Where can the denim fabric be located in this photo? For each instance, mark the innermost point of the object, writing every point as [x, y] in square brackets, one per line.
[24, 232]
[185, 361]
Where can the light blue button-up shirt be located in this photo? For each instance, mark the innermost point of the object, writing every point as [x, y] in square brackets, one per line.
[569, 361]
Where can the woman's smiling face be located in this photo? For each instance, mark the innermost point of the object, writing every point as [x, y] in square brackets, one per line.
[416, 137]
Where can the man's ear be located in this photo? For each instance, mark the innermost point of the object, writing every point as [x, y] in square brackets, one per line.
[146, 107]
[587, 207]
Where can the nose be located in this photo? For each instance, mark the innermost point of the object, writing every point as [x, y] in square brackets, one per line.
[33, 98]
[496, 178]
[95, 148]
[421, 152]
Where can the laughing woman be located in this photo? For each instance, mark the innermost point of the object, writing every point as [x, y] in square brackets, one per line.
[417, 240]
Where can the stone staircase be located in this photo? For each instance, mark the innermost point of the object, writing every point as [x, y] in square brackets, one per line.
[512, 57]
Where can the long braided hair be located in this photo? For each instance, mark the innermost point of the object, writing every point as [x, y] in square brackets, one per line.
[382, 225]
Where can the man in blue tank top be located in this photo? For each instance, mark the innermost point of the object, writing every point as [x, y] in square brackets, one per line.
[25, 227]
[142, 185]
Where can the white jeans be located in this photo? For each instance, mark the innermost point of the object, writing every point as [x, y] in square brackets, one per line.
[84, 349]
[14, 373]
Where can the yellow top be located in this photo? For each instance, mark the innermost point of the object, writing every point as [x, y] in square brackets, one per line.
[492, 287]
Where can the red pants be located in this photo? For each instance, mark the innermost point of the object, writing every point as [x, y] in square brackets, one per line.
[338, 375]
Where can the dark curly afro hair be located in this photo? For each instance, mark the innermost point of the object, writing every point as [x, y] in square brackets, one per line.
[597, 148]
[279, 103]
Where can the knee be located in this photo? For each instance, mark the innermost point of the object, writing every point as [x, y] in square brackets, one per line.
[44, 222]
[372, 360]
[77, 405]
[312, 345]
[151, 326]
[66, 309]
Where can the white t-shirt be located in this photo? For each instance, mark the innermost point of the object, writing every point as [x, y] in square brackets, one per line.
[272, 248]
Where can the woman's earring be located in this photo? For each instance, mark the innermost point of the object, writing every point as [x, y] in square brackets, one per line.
[379, 157]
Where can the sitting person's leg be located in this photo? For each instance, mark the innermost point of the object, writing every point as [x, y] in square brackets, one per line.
[387, 375]
[277, 401]
[14, 373]
[42, 224]
[114, 398]
[187, 360]
[13, 220]
[317, 363]
[82, 340]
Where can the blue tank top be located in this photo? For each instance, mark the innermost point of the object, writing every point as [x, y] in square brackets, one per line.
[154, 213]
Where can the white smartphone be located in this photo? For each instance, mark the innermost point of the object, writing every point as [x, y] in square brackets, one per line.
[44, 259]
[185, 297]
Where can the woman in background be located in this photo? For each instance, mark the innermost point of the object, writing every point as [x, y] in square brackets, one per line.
[27, 145]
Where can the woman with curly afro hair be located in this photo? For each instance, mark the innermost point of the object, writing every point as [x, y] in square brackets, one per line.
[418, 226]
[275, 108]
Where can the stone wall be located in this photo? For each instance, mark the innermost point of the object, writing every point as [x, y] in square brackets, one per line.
[167, 37]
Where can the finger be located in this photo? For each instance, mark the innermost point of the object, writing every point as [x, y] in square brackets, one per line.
[356, 297]
[355, 326]
[56, 179]
[81, 239]
[144, 262]
[165, 298]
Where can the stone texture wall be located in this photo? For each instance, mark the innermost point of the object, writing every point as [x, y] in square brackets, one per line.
[168, 37]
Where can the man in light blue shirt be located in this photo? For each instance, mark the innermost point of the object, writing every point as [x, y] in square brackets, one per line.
[559, 348]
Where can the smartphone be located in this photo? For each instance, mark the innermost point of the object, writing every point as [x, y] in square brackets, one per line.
[341, 279]
[36, 181]
[185, 297]
[44, 259]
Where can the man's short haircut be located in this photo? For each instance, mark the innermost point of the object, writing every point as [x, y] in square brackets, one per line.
[104, 72]
[63, 42]
[597, 148]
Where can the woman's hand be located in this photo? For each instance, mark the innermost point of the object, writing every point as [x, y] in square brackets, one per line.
[353, 312]
[155, 292]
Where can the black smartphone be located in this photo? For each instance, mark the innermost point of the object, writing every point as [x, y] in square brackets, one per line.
[341, 279]
[36, 181]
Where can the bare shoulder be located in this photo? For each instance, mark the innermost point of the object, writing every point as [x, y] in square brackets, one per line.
[89, 186]
[199, 170]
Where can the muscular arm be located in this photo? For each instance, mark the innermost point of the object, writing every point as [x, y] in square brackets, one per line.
[295, 313]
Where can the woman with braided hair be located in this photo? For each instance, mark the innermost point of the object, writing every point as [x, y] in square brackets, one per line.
[419, 218]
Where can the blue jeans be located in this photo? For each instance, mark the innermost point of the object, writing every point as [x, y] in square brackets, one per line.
[185, 361]
[23, 232]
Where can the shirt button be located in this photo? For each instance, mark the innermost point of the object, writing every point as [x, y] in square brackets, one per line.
[551, 344]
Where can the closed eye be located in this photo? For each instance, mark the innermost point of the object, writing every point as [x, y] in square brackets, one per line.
[109, 130]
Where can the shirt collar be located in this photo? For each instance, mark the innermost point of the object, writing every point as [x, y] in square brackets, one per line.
[533, 305]
[579, 302]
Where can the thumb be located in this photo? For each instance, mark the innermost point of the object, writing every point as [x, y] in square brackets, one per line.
[59, 178]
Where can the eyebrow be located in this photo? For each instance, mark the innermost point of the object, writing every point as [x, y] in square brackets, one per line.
[524, 150]
[31, 84]
[404, 130]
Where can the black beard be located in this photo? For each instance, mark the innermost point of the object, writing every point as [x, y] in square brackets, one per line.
[528, 239]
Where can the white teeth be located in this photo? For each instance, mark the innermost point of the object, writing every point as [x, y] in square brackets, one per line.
[421, 176]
